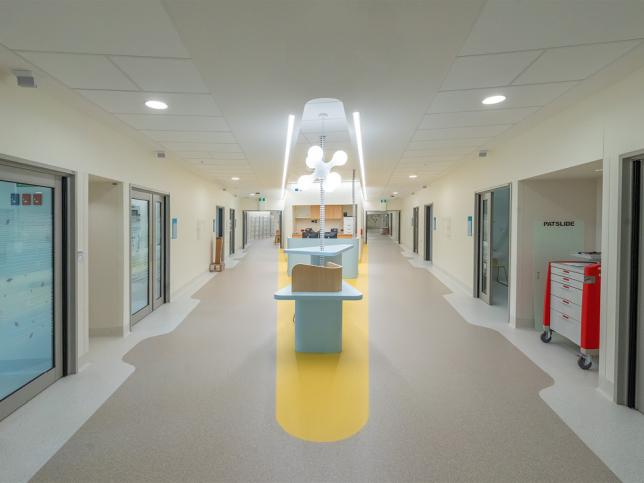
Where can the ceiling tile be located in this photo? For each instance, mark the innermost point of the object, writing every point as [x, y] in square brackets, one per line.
[517, 96]
[226, 155]
[475, 118]
[513, 25]
[193, 137]
[444, 144]
[90, 26]
[124, 102]
[174, 123]
[440, 151]
[164, 75]
[80, 71]
[487, 70]
[202, 147]
[460, 132]
[573, 63]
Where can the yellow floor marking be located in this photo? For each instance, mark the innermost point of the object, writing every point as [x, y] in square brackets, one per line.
[323, 397]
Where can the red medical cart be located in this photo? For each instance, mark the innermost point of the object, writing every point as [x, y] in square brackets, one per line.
[571, 306]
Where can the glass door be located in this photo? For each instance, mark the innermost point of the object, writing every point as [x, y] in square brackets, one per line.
[31, 347]
[231, 248]
[140, 255]
[485, 244]
[148, 234]
[159, 250]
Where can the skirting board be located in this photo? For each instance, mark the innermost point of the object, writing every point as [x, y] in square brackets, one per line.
[106, 331]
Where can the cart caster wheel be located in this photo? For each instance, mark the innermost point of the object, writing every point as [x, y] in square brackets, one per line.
[546, 336]
[584, 363]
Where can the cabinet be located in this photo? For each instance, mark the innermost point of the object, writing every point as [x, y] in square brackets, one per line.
[315, 212]
[571, 306]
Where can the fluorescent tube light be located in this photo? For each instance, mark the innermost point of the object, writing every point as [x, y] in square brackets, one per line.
[287, 151]
[358, 128]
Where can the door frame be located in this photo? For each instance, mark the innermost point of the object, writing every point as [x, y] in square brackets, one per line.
[476, 235]
[63, 182]
[628, 281]
[366, 217]
[220, 219]
[232, 228]
[429, 232]
[151, 196]
[415, 227]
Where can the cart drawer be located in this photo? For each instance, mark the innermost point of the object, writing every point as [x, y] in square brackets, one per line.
[564, 325]
[567, 281]
[565, 291]
[568, 270]
[566, 307]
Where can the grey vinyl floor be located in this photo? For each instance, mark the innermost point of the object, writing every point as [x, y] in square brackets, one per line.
[448, 401]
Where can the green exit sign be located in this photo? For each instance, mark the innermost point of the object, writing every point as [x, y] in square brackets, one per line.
[262, 199]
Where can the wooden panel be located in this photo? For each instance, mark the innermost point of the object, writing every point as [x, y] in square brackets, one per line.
[311, 278]
[342, 235]
[315, 212]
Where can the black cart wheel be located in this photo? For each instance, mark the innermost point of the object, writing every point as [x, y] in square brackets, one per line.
[584, 363]
[546, 336]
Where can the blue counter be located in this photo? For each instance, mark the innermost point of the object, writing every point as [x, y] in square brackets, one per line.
[349, 257]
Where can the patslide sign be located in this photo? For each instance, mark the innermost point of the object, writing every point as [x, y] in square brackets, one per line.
[558, 223]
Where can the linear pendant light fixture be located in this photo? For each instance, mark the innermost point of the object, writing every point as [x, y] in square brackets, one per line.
[358, 128]
[287, 151]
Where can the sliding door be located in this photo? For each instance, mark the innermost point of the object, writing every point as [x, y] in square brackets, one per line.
[147, 253]
[31, 285]
[485, 246]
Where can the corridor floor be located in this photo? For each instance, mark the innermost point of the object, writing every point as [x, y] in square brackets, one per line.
[448, 401]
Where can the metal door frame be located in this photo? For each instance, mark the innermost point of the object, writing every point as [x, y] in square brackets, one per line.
[628, 281]
[415, 228]
[64, 275]
[429, 235]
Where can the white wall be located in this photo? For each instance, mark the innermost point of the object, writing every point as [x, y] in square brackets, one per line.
[105, 258]
[37, 126]
[546, 200]
[600, 127]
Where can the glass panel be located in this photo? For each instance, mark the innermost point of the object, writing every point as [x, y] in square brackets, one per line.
[485, 244]
[158, 220]
[139, 254]
[26, 284]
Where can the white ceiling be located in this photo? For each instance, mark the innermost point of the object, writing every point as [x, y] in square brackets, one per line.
[232, 73]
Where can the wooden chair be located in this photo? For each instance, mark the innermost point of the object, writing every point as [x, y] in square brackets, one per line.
[312, 278]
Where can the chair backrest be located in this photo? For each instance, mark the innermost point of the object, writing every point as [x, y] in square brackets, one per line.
[313, 278]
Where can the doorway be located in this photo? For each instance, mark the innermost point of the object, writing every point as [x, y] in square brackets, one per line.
[148, 252]
[37, 327]
[219, 226]
[630, 333]
[492, 254]
[414, 222]
[429, 216]
[232, 225]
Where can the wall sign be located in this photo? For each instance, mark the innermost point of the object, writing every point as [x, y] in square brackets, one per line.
[555, 224]
[174, 228]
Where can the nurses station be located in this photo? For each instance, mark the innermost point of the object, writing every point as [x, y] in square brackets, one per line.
[359, 241]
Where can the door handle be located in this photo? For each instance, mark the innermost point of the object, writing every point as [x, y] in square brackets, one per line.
[565, 316]
[565, 301]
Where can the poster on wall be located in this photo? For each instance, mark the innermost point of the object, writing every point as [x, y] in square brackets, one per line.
[174, 228]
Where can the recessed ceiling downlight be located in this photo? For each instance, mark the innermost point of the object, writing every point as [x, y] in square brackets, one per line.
[493, 100]
[413, 176]
[156, 104]
[235, 178]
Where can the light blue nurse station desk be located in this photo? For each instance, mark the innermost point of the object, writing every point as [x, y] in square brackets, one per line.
[343, 251]
[318, 317]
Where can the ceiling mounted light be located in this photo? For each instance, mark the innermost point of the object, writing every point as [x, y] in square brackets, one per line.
[493, 100]
[395, 192]
[287, 150]
[358, 128]
[235, 178]
[156, 104]
[413, 176]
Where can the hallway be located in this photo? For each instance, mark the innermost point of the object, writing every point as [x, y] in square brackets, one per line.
[448, 400]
